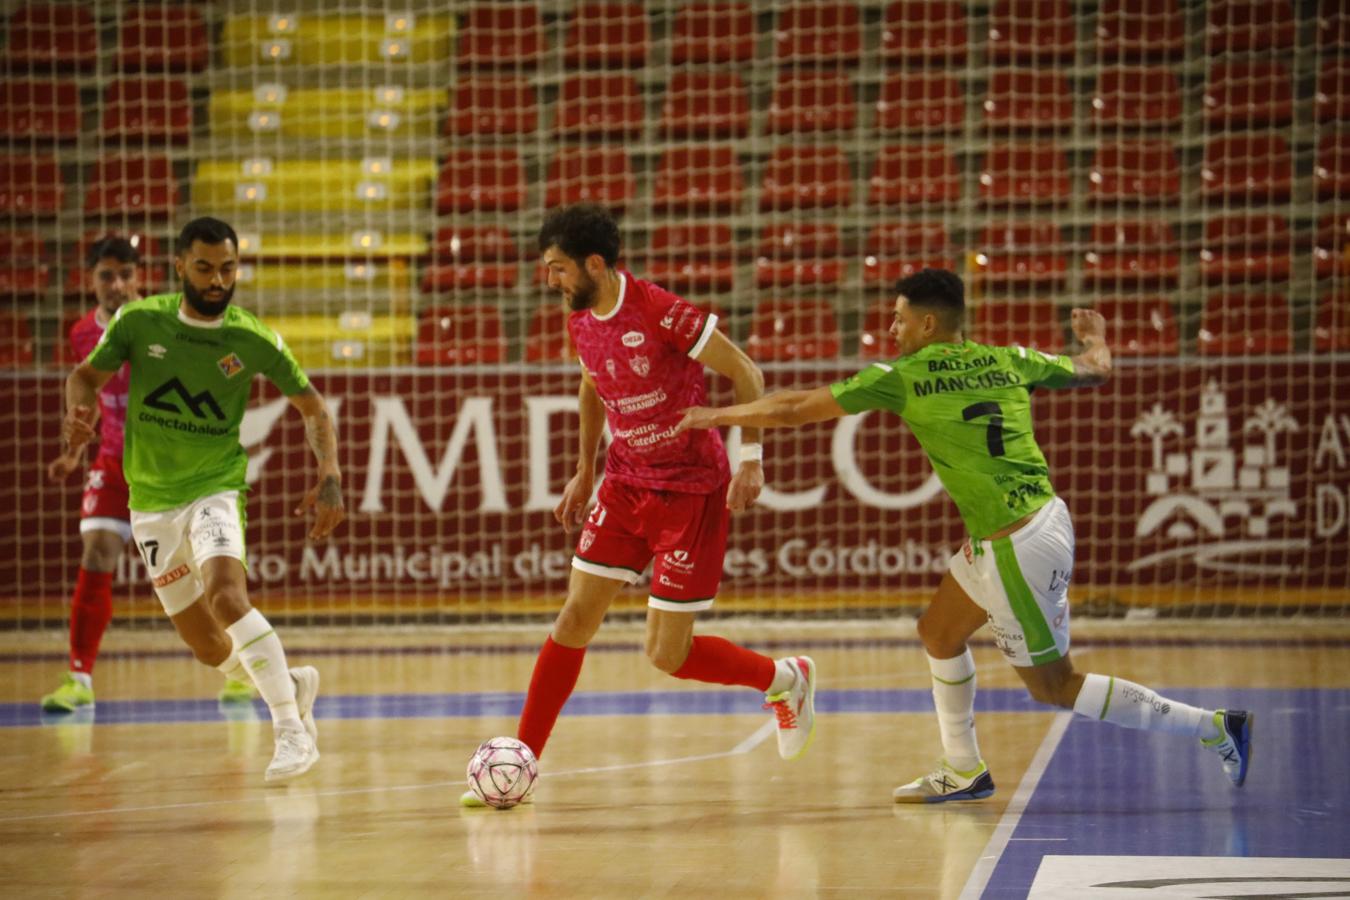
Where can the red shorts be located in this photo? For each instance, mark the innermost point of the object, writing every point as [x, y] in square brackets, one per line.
[104, 507]
[686, 533]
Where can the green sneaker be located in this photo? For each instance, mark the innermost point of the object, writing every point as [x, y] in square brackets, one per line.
[70, 696]
[237, 692]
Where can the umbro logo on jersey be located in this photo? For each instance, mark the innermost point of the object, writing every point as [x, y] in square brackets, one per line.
[157, 351]
[198, 404]
[230, 365]
[634, 339]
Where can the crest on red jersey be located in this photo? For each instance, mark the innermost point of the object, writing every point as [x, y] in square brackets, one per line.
[641, 365]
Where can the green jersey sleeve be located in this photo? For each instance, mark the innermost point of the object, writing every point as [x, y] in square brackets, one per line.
[1036, 368]
[876, 387]
[114, 348]
[283, 371]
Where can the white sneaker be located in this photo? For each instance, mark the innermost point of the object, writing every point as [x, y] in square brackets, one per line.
[945, 783]
[306, 680]
[296, 753]
[795, 709]
[470, 800]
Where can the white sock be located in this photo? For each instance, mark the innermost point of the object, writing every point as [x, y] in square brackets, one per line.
[233, 668]
[83, 678]
[1129, 705]
[259, 650]
[784, 677]
[954, 698]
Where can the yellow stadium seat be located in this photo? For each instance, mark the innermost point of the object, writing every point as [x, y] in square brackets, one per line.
[351, 338]
[367, 243]
[335, 113]
[374, 184]
[377, 276]
[303, 39]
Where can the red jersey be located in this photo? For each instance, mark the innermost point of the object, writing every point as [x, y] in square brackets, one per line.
[112, 400]
[641, 358]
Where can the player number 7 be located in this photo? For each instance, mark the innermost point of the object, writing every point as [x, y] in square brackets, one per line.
[994, 435]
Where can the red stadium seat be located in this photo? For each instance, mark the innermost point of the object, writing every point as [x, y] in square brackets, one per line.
[1135, 172]
[1332, 170]
[1244, 324]
[1021, 323]
[141, 109]
[705, 105]
[599, 106]
[492, 106]
[1248, 95]
[898, 249]
[506, 35]
[915, 173]
[1329, 248]
[546, 338]
[481, 180]
[698, 179]
[1140, 29]
[23, 265]
[52, 36]
[924, 31]
[1241, 249]
[1032, 31]
[818, 33]
[607, 35]
[30, 186]
[1017, 255]
[466, 258]
[460, 335]
[1025, 174]
[166, 37]
[1137, 97]
[693, 257]
[792, 330]
[1028, 100]
[601, 175]
[713, 33]
[811, 102]
[803, 254]
[39, 110]
[1331, 329]
[132, 186]
[921, 102]
[1132, 254]
[1246, 26]
[1333, 24]
[16, 341]
[1140, 326]
[806, 178]
[1332, 99]
[150, 249]
[1247, 167]
[875, 340]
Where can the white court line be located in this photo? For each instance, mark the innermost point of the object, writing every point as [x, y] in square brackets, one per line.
[754, 740]
[998, 841]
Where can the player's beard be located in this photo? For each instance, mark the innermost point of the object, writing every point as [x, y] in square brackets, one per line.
[584, 296]
[208, 308]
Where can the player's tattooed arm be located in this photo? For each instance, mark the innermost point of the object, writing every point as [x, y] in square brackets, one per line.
[325, 498]
[1093, 365]
[82, 387]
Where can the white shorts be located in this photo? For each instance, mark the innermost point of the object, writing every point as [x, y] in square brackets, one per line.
[1022, 581]
[175, 542]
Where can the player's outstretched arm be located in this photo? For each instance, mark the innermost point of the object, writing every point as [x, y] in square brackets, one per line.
[82, 387]
[577, 495]
[747, 383]
[326, 496]
[784, 409]
[1093, 366]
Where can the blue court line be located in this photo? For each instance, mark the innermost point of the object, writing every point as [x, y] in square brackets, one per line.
[532, 646]
[1116, 792]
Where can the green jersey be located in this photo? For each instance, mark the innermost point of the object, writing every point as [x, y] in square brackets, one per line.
[969, 405]
[190, 383]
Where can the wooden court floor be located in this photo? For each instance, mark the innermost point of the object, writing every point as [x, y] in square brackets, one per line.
[651, 787]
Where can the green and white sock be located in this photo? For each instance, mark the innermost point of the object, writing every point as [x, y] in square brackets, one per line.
[1129, 705]
[264, 659]
[954, 699]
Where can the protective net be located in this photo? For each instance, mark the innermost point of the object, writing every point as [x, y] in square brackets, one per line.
[1179, 166]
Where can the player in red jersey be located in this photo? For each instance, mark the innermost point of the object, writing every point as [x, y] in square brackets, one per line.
[666, 498]
[113, 277]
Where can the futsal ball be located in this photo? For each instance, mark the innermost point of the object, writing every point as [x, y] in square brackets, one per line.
[502, 772]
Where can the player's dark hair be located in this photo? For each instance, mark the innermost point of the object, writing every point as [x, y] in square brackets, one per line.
[118, 248]
[937, 291]
[580, 230]
[208, 231]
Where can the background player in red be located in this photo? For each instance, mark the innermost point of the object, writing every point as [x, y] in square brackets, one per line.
[665, 498]
[113, 276]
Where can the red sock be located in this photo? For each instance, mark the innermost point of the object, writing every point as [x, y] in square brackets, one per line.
[719, 661]
[555, 675]
[90, 611]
